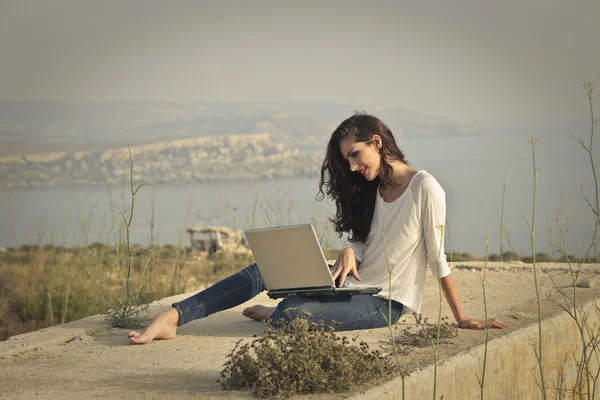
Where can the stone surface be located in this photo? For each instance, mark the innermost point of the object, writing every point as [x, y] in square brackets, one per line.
[88, 359]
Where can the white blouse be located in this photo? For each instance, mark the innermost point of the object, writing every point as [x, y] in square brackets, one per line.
[413, 228]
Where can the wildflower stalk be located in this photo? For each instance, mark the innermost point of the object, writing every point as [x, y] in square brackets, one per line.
[502, 220]
[389, 316]
[251, 219]
[152, 214]
[588, 334]
[128, 312]
[538, 352]
[589, 88]
[267, 218]
[487, 328]
[449, 237]
[128, 230]
[584, 374]
[439, 322]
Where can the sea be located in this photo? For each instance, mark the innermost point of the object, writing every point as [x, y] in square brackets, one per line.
[473, 170]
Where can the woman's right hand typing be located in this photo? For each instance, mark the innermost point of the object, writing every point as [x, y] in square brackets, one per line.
[344, 265]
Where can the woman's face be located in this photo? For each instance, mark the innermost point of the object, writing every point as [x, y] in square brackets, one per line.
[363, 157]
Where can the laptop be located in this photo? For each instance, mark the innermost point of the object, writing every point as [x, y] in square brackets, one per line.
[291, 262]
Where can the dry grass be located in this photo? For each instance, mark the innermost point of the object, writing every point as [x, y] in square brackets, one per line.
[44, 286]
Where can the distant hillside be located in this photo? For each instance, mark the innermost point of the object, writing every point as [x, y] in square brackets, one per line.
[224, 157]
[57, 144]
[30, 127]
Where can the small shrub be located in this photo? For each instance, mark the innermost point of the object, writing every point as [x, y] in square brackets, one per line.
[543, 257]
[511, 256]
[97, 246]
[129, 317]
[302, 357]
[30, 248]
[169, 251]
[460, 257]
[494, 257]
[424, 333]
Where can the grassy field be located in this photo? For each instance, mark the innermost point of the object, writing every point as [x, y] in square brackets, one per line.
[44, 286]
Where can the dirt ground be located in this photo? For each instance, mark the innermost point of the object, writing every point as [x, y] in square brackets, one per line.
[88, 359]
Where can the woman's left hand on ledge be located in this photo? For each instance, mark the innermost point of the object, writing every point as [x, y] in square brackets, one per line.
[472, 323]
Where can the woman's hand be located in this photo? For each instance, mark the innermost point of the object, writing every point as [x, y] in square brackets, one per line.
[471, 323]
[344, 265]
[463, 321]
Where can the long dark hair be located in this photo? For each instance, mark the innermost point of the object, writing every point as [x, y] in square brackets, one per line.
[354, 196]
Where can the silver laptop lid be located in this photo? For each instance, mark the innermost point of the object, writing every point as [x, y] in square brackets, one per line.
[289, 257]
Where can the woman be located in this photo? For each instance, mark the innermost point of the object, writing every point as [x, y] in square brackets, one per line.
[394, 216]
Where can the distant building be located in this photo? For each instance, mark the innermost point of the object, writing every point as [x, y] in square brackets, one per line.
[216, 238]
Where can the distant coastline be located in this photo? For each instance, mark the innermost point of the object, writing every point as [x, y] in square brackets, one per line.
[182, 161]
[61, 144]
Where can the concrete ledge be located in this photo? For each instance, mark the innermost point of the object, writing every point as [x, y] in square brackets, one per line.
[55, 335]
[88, 359]
[512, 370]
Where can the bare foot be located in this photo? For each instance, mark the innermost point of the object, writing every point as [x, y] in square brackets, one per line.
[258, 312]
[163, 327]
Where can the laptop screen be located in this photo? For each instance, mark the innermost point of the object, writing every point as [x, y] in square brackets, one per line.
[289, 257]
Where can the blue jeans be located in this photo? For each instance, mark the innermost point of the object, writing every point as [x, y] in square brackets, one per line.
[341, 312]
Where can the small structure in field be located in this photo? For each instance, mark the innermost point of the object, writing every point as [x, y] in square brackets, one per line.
[216, 238]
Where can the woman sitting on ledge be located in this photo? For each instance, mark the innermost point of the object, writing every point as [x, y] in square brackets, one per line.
[377, 195]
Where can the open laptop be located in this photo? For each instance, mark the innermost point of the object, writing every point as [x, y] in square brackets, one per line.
[291, 262]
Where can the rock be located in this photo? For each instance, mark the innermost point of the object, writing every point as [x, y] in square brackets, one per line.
[523, 315]
[588, 283]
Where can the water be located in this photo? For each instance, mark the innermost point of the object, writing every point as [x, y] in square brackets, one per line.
[472, 170]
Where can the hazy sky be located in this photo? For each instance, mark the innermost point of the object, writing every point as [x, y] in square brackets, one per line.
[474, 60]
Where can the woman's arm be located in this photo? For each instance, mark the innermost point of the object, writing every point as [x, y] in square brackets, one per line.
[433, 217]
[461, 318]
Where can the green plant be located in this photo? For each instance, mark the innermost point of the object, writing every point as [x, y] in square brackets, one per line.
[481, 380]
[267, 218]
[128, 313]
[302, 357]
[279, 208]
[532, 231]
[152, 214]
[212, 218]
[251, 218]
[450, 255]
[436, 342]
[388, 318]
[179, 279]
[275, 207]
[588, 333]
[502, 226]
[586, 362]
[589, 88]
[424, 333]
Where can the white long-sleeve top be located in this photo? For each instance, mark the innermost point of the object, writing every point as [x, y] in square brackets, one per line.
[413, 228]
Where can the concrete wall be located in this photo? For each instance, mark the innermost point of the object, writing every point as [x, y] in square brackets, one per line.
[512, 370]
